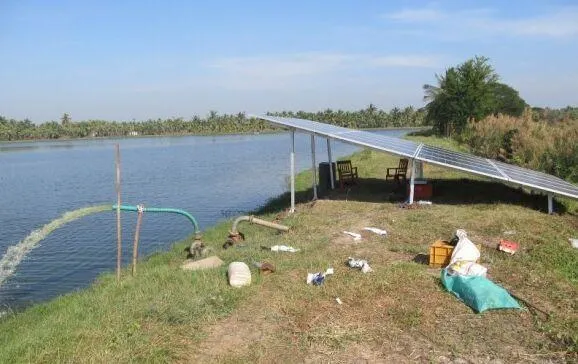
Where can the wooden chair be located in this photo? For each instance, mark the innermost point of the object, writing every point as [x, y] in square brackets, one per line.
[399, 171]
[347, 173]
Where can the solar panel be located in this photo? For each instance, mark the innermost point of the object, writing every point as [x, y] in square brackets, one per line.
[381, 142]
[538, 180]
[306, 125]
[461, 161]
[372, 140]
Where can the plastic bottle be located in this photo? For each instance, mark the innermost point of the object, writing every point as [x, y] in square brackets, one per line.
[239, 274]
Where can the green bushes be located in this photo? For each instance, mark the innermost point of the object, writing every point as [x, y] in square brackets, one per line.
[540, 145]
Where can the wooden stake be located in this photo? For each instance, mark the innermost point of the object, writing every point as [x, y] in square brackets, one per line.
[135, 243]
[118, 225]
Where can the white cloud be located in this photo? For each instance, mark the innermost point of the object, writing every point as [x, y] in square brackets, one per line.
[405, 61]
[417, 15]
[288, 66]
[559, 24]
[562, 22]
[274, 72]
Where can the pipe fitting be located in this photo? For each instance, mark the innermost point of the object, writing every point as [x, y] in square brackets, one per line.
[236, 236]
[254, 220]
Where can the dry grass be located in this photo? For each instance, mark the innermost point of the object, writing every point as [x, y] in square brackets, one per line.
[400, 312]
[550, 147]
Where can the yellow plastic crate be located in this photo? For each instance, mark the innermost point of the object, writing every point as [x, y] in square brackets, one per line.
[440, 253]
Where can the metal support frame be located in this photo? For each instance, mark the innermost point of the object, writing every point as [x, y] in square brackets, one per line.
[550, 204]
[411, 181]
[330, 163]
[313, 162]
[292, 166]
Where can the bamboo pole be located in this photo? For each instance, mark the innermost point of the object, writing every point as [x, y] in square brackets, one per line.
[118, 225]
[136, 236]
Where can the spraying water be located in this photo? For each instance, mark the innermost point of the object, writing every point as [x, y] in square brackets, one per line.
[16, 253]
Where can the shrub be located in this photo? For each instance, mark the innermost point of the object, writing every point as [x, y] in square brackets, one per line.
[540, 145]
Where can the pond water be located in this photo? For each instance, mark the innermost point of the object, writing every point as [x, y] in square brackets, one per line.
[212, 177]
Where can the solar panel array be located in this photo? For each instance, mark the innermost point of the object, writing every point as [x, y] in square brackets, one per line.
[539, 180]
[463, 161]
[443, 157]
[380, 142]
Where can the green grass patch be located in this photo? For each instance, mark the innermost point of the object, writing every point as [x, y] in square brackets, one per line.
[398, 312]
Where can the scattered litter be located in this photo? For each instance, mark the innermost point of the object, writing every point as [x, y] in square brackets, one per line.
[336, 300]
[423, 202]
[281, 248]
[574, 243]
[355, 236]
[508, 246]
[210, 262]
[359, 263]
[375, 230]
[264, 267]
[317, 279]
[239, 274]
[510, 232]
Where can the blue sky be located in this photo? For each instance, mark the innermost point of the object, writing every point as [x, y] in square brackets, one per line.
[130, 59]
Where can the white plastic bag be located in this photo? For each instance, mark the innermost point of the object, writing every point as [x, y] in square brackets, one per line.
[355, 236]
[375, 230]
[464, 257]
[465, 249]
[469, 269]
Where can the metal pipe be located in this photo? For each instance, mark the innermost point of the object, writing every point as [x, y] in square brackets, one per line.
[314, 167]
[411, 183]
[330, 163]
[292, 167]
[118, 223]
[254, 220]
[136, 237]
[550, 204]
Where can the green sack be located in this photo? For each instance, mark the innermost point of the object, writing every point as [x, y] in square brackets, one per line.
[478, 292]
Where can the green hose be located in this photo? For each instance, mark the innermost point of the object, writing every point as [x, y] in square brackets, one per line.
[162, 209]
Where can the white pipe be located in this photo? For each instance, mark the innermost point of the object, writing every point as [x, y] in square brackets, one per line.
[411, 182]
[292, 171]
[330, 163]
[314, 167]
[550, 204]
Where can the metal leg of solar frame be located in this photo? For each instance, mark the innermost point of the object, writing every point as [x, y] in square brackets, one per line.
[330, 163]
[550, 204]
[314, 167]
[411, 182]
[292, 162]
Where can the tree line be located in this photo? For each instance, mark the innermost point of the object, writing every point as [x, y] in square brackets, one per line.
[469, 104]
[213, 123]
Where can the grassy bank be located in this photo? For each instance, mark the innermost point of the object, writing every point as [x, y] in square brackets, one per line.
[398, 313]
